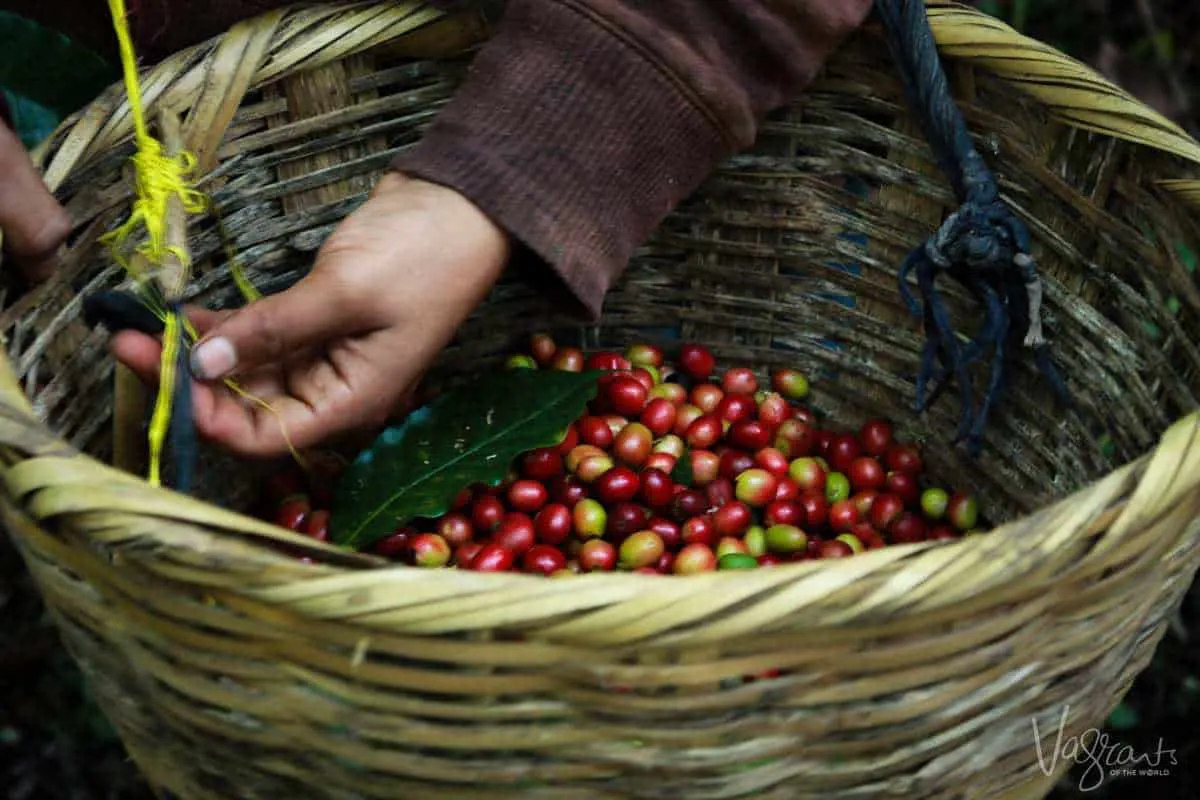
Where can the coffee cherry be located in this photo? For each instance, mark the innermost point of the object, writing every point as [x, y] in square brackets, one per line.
[785, 512]
[568, 490]
[668, 531]
[589, 519]
[719, 492]
[735, 407]
[640, 549]
[570, 438]
[732, 519]
[671, 445]
[658, 417]
[595, 431]
[684, 417]
[823, 441]
[542, 464]
[884, 511]
[597, 555]
[552, 525]
[656, 488]
[795, 439]
[664, 566]
[455, 528]
[516, 532]
[835, 548]
[542, 559]
[907, 528]
[493, 558]
[697, 361]
[317, 526]
[729, 544]
[942, 533]
[755, 540]
[787, 489]
[733, 463]
[853, 542]
[843, 516]
[582, 451]
[808, 474]
[293, 512]
[903, 458]
[661, 461]
[786, 539]
[707, 397]
[816, 507]
[705, 466]
[755, 487]
[542, 347]
[633, 443]
[876, 437]
[837, 487]
[962, 511]
[904, 485]
[737, 561]
[863, 501]
[593, 468]
[688, 503]
[486, 513]
[842, 452]
[627, 396]
[749, 434]
[704, 432]
[646, 376]
[699, 529]
[769, 560]
[868, 536]
[528, 496]
[673, 393]
[790, 383]
[397, 546]
[607, 361]
[568, 359]
[693, 559]
[866, 473]
[643, 355]
[616, 485]
[739, 380]
[934, 502]
[773, 410]
[430, 550]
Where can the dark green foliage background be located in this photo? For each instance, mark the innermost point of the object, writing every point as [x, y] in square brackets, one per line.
[55, 745]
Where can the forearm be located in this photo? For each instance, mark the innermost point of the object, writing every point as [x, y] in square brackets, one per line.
[585, 122]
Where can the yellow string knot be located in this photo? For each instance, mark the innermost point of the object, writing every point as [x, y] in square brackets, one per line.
[158, 178]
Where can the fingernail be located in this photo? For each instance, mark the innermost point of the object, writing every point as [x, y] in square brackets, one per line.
[213, 359]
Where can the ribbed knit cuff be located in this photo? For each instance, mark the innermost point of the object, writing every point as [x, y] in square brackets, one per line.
[572, 140]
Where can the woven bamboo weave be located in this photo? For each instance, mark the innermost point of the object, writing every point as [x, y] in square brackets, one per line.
[232, 671]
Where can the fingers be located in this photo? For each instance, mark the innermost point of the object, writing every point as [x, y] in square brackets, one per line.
[320, 399]
[269, 331]
[33, 222]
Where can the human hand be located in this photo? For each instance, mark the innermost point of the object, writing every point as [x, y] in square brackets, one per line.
[339, 349]
[33, 222]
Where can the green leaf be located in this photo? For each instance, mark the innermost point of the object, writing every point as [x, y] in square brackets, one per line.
[48, 68]
[466, 436]
[682, 471]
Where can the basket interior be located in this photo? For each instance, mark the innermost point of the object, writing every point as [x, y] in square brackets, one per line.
[786, 256]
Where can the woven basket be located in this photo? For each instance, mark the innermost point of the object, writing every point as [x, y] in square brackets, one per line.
[232, 671]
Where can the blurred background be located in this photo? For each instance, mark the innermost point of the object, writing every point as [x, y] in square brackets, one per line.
[55, 745]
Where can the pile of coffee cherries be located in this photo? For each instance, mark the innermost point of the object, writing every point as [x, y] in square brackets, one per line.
[761, 483]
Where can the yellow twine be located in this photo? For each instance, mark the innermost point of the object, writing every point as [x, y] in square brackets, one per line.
[158, 178]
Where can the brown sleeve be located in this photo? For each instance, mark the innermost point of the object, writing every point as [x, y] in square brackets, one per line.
[583, 123]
